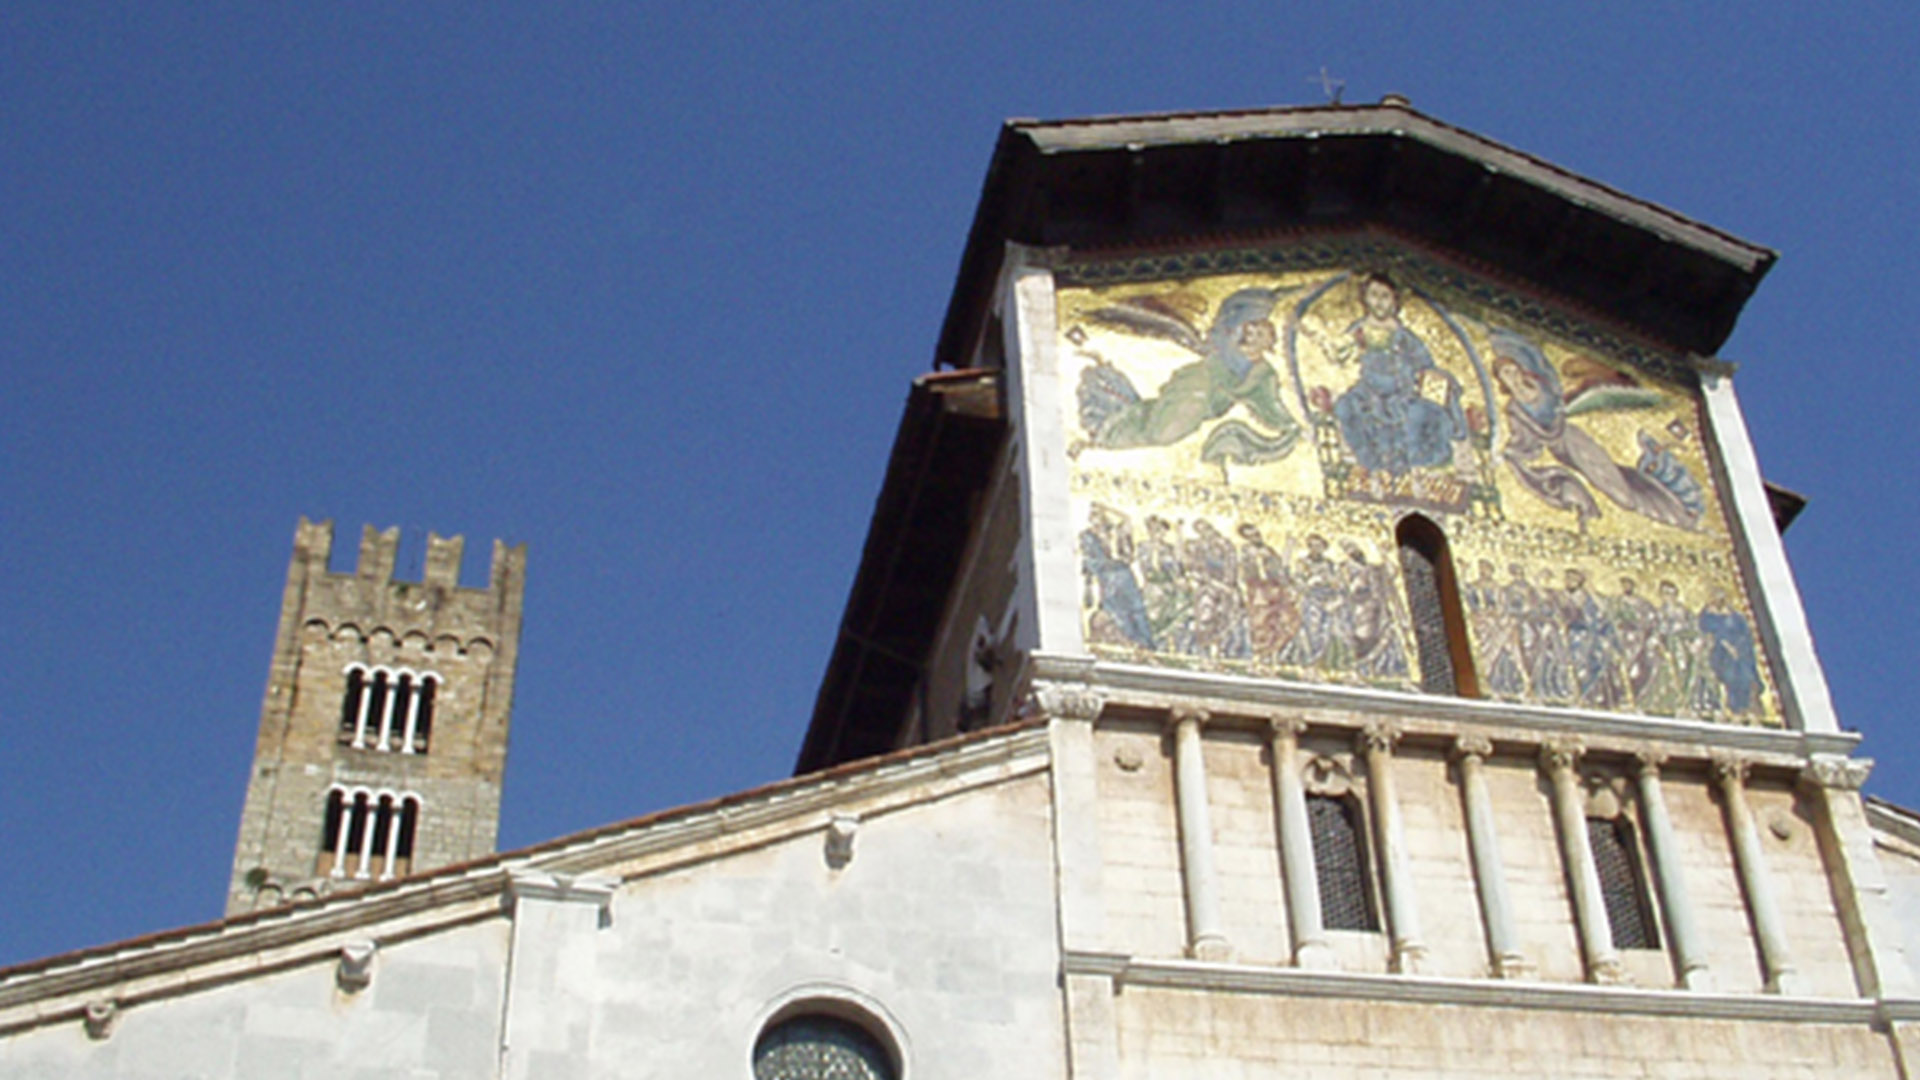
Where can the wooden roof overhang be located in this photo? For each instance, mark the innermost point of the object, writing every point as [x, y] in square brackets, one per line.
[1147, 181]
[942, 462]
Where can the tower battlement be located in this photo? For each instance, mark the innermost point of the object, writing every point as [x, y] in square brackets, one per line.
[383, 732]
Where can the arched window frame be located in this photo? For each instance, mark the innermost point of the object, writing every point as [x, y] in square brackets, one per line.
[838, 1002]
[1330, 781]
[1418, 534]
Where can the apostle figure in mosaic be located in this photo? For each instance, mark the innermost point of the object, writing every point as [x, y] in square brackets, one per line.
[1496, 633]
[1321, 641]
[1375, 618]
[1272, 615]
[1233, 369]
[1693, 691]
[1538, 423]
[1117, 613]
[1404, 410]
[1219, 618]
[1543, 642]
[1731, 654]
[1637, 623]
[1593, 649]
[1163, 578]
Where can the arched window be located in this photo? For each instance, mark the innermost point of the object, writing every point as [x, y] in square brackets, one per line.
[389, 710]
[1433, 604]
[1340, 863]
[816, 1046]
[1622, 885]
[367, 834]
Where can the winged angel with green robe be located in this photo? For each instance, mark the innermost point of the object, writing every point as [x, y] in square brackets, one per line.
[1232, 370]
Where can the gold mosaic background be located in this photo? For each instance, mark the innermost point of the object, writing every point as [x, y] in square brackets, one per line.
[1243, 446]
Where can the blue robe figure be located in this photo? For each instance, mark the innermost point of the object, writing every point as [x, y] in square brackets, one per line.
[1389, 417]
[1117, 608]
[1730, 654]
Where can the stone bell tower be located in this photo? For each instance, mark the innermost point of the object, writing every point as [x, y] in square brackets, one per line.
[383, 735]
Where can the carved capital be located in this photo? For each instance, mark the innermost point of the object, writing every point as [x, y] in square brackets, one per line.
[1647, 762]
[1472, 747]
[1730, 769]
[1835, 772]
[1377, 738]
[1286, 727]
[1561, 755]
[1069, 702]
[1184, 714]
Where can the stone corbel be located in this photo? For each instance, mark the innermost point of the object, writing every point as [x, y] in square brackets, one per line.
[100, 1016]
[840, 832]
[355, 970]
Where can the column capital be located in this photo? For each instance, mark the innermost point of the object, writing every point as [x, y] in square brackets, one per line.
[1836, 773]
[1068, 701]
[1647, 762]
[1380, 738]
[1182, 714]
[1286, 727]
[1476, 747]
[1729, 769]
[1561, 755]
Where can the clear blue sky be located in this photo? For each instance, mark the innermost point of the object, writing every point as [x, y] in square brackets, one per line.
[642, 286]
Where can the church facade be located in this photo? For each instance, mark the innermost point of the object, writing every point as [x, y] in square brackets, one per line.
[1323, 617]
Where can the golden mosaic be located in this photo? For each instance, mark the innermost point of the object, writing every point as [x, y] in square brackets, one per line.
[1245, 445]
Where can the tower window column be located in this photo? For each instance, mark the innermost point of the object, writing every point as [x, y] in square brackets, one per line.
[388, 710]
[368, 834]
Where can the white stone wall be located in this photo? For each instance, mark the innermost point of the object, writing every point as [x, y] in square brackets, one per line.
[942, 924]
[432, 1009]
[1171, 1034]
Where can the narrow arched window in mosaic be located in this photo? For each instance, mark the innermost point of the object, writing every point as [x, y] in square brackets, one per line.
[1433, 607]
[1340, 864]
[820, 1048]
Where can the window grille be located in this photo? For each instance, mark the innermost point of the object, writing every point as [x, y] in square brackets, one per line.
[1340, 864]
[1629, 916]
[820, 1048]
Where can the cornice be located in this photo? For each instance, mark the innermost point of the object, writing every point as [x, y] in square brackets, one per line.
[1155, 687]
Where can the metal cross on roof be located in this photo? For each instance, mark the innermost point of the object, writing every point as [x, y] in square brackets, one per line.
[1329, 85]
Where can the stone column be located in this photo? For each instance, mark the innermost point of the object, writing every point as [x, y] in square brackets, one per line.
[1560, 759]
[1831, 784]
[1669, 873]
[1205, 938]
[1310, 946]
[1376, 742]
[1751, 860]
[1483, 841]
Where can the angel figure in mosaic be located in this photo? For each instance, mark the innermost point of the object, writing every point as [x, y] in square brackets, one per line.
[1540, 409]
[1232, 370]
